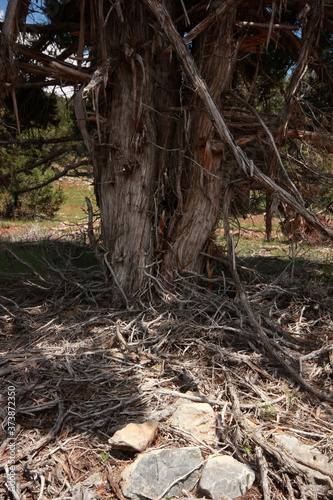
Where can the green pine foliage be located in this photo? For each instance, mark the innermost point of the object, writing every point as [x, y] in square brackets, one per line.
[20, 170]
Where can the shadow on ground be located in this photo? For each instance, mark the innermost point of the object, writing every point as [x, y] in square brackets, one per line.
[82, 368]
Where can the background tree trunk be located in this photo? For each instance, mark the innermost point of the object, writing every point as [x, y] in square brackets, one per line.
[201, 177]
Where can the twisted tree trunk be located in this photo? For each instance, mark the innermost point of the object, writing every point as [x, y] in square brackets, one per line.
[157, 177]
[203, 168]
[131, 150]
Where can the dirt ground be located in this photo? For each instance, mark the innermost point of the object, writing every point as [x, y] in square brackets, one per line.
[81, 366]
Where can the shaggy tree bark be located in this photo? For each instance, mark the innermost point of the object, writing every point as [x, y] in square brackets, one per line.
[157, 178]
[132, 153]
[191, 231]
[162, 149]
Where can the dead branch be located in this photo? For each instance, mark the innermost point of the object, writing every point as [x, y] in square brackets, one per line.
[43, 161]
[269, 345]
[46, 83]
[200, 87]
[302, 62]
[7, 250]
[210, 19]
[275, 26]
[16, 13]
[91, 236]
[279, 454]
[263, 472]
[294, 190]
[53, 140]
[81, 118]
[53, 28]
[108, 265]
[114, 486]
[36, 447]
[69, 73]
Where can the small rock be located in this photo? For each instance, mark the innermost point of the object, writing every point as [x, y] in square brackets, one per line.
[151, 473]
[135, 437]
[197, 418]
[83, 493]
[224, 475]
[306, 453]
[95, 479]
[82, 490]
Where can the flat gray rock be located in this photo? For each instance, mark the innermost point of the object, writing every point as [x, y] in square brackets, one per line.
[307, 453]
[199, 419]
[152, 472]
[224, 475]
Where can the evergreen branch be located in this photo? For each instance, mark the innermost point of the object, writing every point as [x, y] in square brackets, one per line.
[52, 179]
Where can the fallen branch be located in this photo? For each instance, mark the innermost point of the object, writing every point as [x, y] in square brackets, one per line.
[114, 486]
[241, 295]
[43, 441]
[261, 461]
[277, 452]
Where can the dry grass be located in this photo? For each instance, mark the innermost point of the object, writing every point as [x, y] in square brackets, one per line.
[71, 218]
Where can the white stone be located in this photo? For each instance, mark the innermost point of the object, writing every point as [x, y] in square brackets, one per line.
[135, 437]
[198, 419]
[223, 475]
[306, 453]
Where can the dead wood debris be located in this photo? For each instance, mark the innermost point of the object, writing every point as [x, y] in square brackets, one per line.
[83, 368]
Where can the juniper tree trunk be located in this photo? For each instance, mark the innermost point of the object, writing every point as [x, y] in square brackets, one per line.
[133, 139]
[158, 178]
[191, 232]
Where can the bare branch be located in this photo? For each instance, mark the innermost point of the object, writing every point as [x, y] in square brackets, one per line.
[81, 118]
[27, 168]
[71, 73]
[250, 24]
[200, 87]
[53, 28]
[53, 140]
[210, 19]
[15, 14]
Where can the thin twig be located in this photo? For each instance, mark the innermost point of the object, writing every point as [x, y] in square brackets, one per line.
[115, 279]
[263, 472]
